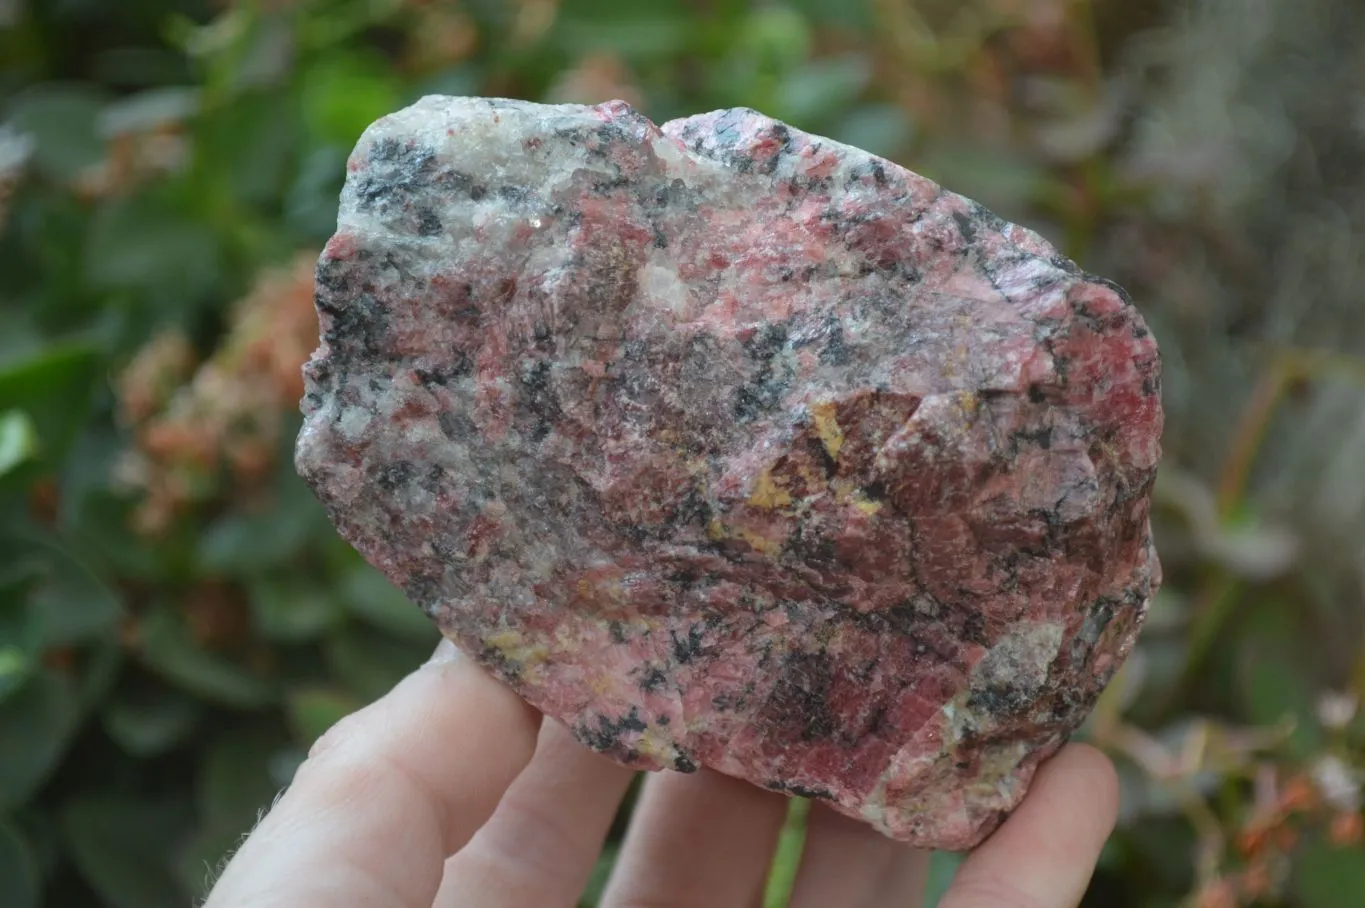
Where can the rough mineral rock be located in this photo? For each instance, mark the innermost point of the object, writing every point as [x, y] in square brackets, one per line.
[732, 446]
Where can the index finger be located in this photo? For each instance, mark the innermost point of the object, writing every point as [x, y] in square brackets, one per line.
[1045, 854]
[387, 795]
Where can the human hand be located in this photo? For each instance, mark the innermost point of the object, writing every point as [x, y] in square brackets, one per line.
[449, 792]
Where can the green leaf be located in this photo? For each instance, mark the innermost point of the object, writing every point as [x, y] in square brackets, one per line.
[18, 440]
[101, 520]
[36, 724]
[601, 875]
[840, 14]
[20, 634]
[370, 665]
[313, 710]
[822, 87]
[16, 664]
[252, 144]
[1327, 877]
[71, 604]
[342, 95]
[237, 778]
[54, 389]
[776, 37]
[151, 109]
[883, 129]
[63, 121]
[311, 203]
[1278, 680]
[942, 868]
[998, 179]
[247, 543]
[292, 608]
[19, 880]
[142, 244]
[150, 720]
[169, 650]
[371, 597]
[123, 845]
[787, 858]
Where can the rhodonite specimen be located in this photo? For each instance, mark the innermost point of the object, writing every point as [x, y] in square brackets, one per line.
[732, 446]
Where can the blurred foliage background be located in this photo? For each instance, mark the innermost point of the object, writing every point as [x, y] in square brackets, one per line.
[177, 619]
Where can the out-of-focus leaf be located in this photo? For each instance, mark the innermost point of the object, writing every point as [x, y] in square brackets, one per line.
[883, 129]
[344, 94]
[1275, 687]
[19, 880]
[942, 868]
[237, 779]
[252, 144]
[141, 243]
[36, 723]
[775, 36]
[248, 542]
[150, 66]
[842, 14]
[102, 520]
[63, 120]
[54, 389]
[822, 87]
[311, 203]
[239, 543]
[292, 608]
[150, 720]
[633, 31]
[169, 650]
[370, 665]
[1327, 877]
[18, 440]
[151, 109]
[123, 847]
[16, 663]
[70, 603]
[99, 670]
[996, 179]
[20, 633]
[371, 596]
[457, 81]
[1277, 681]
[601, 875]
[313, 710]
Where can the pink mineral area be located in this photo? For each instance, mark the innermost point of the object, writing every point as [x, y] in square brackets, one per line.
[732, 446]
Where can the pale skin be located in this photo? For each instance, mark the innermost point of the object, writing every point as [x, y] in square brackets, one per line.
[450, 792]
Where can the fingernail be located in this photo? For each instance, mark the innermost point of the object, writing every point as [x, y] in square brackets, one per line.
[446, 652]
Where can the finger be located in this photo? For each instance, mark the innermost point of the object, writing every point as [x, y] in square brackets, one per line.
[1045, 853]
[542, 842]
[846, 862]
[702, 839]
[387, 795]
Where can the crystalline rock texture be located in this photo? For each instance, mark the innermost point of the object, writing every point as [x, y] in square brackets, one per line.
[732, 446]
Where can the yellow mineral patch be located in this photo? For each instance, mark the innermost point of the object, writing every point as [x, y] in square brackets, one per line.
[768, 494]
[651, 745]
[831, 436]
[867, 506]
[516, 650]
[761, 543]
[715, 530]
